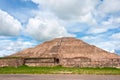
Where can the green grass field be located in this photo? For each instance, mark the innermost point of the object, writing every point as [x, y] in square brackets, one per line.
[58, 70]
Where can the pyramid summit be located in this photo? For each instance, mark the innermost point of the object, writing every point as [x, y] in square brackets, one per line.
[68, 51]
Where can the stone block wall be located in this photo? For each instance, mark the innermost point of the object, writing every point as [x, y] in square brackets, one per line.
[67, 62]
[11, 62]
[15, 62]
[40, 62]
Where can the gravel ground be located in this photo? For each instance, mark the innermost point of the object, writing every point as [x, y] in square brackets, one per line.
[57, 77]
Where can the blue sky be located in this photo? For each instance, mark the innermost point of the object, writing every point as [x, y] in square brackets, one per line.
[26, 23]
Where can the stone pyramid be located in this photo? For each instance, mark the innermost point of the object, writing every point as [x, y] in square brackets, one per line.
[66, 47]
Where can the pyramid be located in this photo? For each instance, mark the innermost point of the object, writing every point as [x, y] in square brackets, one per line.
[66, 47]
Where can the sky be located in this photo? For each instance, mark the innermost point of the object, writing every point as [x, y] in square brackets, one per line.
[27, 23]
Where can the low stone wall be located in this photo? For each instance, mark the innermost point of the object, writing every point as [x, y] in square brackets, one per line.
[40, 62]
[11, 62]
[15, 62]
[67, 62]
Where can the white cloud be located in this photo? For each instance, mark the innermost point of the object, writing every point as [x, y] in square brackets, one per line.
[104, 41]
[116, 36]
[83, 11]
[68, 9]
[109, 6]
[71, 11]
[106, 17]
[92, 17]
[104, 26]
[9, 46]
[56, 18]
[109, 45]
[95, 30]
[8, 25]
[89, 19]
[44, 27]
[94, 39]
[111, 23]
[24, 14]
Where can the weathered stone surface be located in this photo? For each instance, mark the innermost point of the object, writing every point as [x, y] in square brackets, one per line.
[11, 62]
[40, 62]
[71, 52]
[66, 48]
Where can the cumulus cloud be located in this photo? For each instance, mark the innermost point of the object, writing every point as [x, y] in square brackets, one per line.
[94, 18]
[44, 27]
[9, 46]
[68, 9]
[87, 11]
[70, 12]
[104, 26]
[109, 6]
[95, 30]
[97, 20]
[9, 26]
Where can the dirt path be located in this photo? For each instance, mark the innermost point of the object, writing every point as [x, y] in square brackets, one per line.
[58, 77]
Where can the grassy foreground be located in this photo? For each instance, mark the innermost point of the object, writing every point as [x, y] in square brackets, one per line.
[58, 70]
